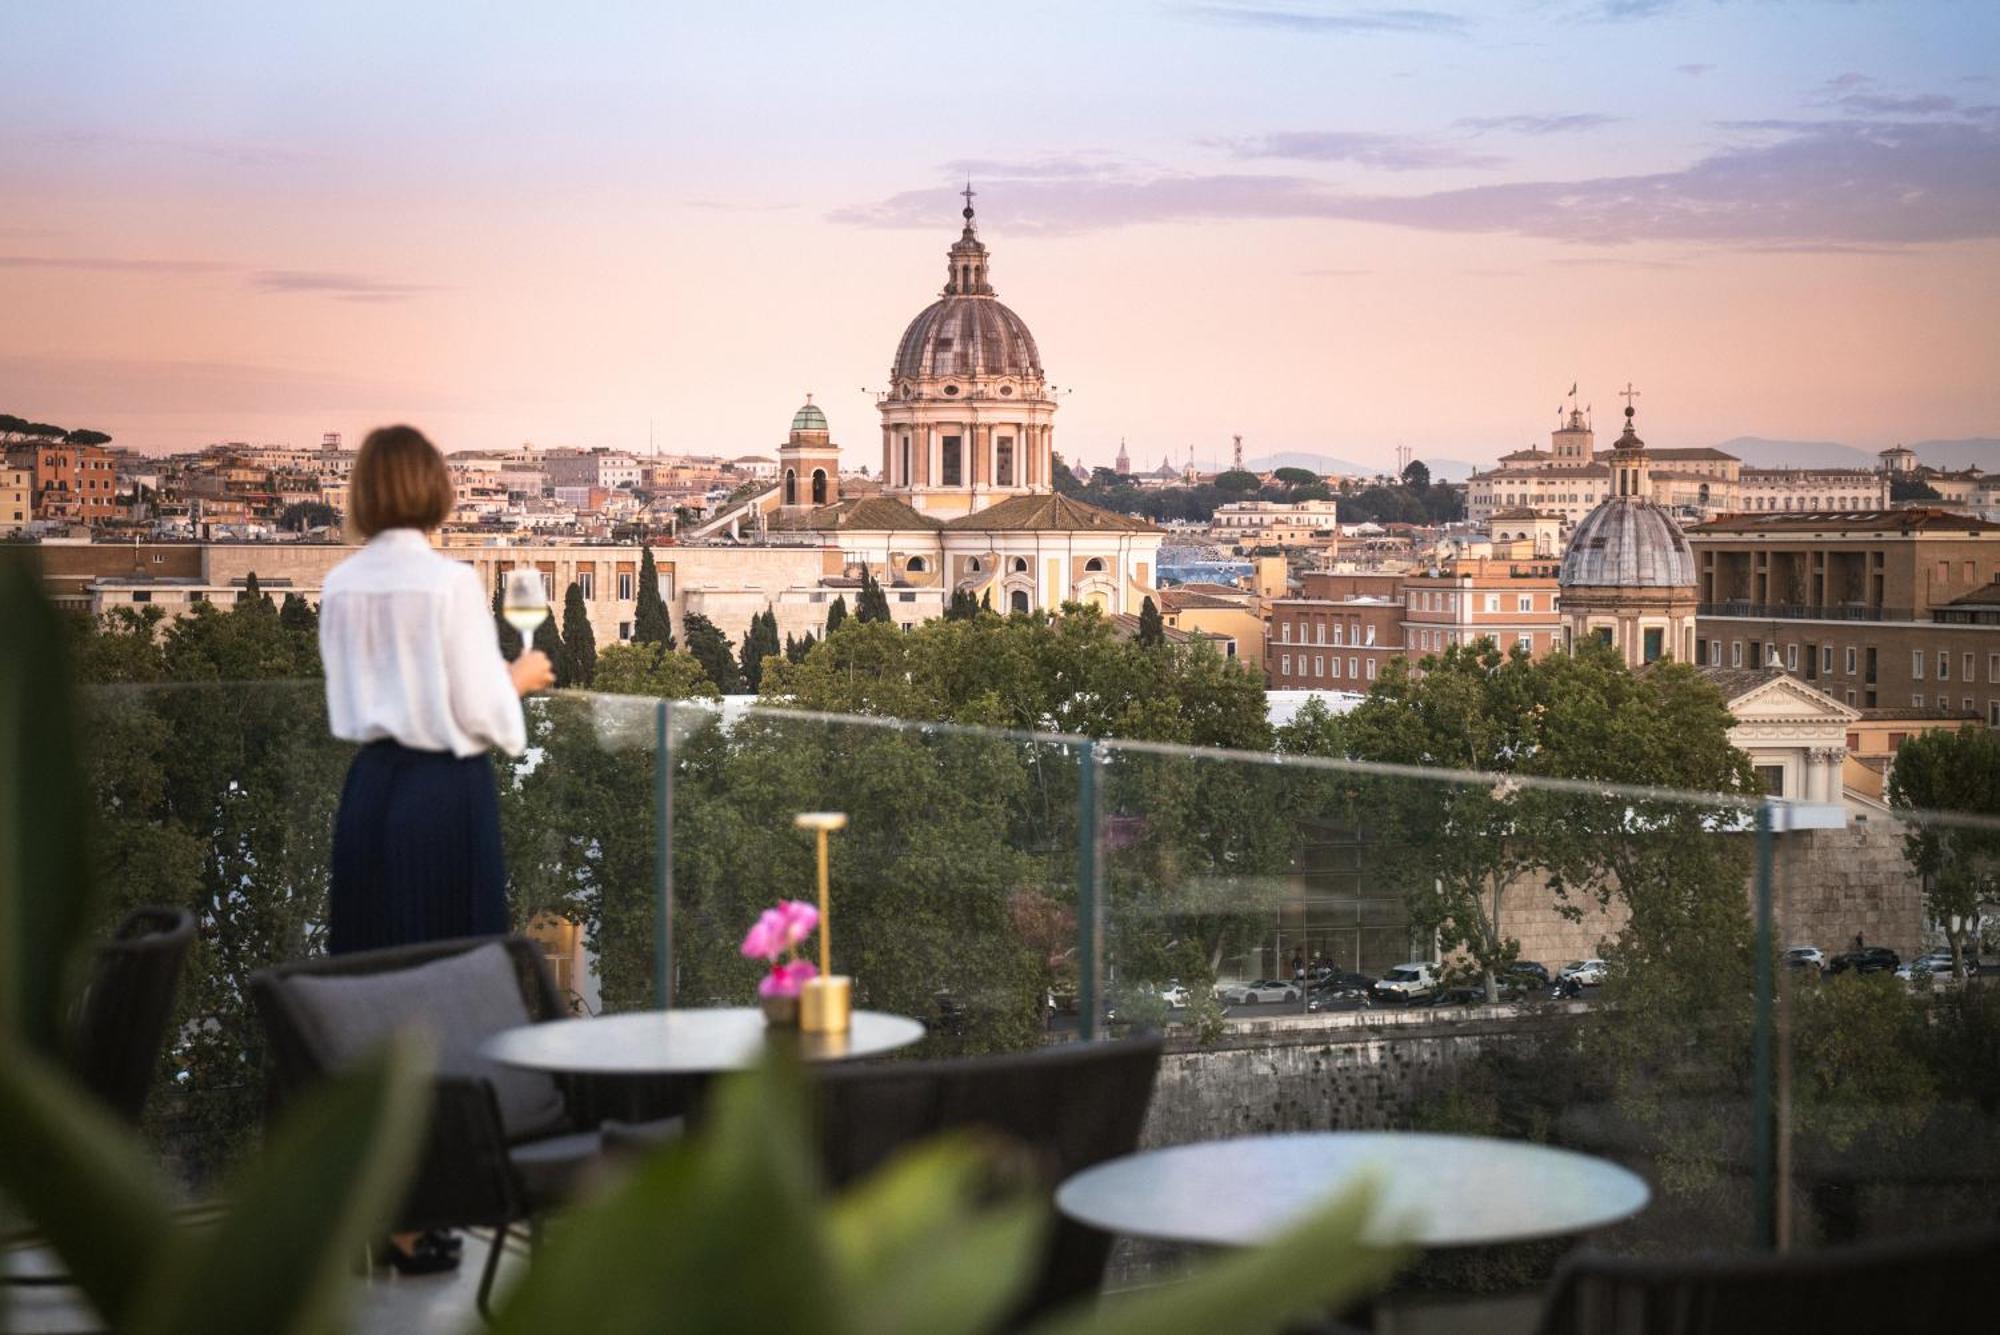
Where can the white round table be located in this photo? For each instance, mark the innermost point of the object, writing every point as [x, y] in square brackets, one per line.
[1435, 1191]
[686, 1042]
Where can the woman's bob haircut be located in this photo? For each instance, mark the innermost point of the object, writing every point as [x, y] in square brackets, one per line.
[399, 481]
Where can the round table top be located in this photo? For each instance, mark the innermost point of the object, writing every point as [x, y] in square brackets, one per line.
[685, 1042]
[1436, 1191]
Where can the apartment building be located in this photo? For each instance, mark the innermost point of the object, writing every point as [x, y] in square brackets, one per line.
[1512, 603]
[1337, 634]
[1878, 608]
[17, 499]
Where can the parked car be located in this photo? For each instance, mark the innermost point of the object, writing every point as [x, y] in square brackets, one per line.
[1341, 983]
[1805, 957]
[1873, 959]
[1264, 989]
[1585, 973]
[1175, 994]
[1523, 976]
[1407, 982]
[1461, 994]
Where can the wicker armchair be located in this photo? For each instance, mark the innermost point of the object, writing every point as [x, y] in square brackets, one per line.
[1069, 1107]
[1927, 1284]
[503, 1145]
[121, 1025]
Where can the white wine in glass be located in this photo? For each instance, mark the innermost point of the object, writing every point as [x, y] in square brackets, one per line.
[525, 604]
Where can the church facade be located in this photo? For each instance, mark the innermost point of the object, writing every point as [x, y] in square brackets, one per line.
[967, 499]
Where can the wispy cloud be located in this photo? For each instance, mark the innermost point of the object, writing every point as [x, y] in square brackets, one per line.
[1618, 10]
[1878, 104]
[1392, 152]
[1694, 71]
[1296, 18]
[1044, 168]
[1827, 185]
[110, 264]
[340, 286]
[1567, 123]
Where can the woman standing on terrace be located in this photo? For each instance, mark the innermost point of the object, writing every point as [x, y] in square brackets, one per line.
[414, 673]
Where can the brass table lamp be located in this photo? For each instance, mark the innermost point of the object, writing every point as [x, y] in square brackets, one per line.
[826, 1003]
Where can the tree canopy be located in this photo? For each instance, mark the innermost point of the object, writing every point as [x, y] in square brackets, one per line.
[1956, 773]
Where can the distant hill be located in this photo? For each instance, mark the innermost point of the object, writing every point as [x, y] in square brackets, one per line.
[1443, 470]
[1761, 453]
[1981, 450]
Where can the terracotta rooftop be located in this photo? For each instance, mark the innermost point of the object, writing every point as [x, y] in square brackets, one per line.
[1986, 597]
[1181, 600]
[870, 514]
[1047, 512]
[1734, 682]
[1913, 714]
[1922, 520]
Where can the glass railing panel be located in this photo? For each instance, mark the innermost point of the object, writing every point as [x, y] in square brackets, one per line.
[953, 885]
[1887, 1084]
[1316, 936]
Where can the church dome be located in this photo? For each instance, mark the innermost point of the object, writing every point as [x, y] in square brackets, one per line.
[966, 331]
[971, 335]
[809, 418]
[1628, 543]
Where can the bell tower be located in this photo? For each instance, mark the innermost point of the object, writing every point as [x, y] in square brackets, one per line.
[808, 462]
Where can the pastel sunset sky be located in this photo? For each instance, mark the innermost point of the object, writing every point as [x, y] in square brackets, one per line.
[1328, 226]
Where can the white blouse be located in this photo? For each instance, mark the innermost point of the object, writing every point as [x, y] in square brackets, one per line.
[411, 652]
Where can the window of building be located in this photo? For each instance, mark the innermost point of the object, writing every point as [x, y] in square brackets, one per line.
[142, 595]
[1019, 601]
[1003, 461]
[1773, 779]
[1736, 653]
[625, 581]
[1319, 665]
[1917, 699]
[954, 469]
[1854, 741]
[1916, 665]
[906, 597]
[819, 486]
[1285, 664]
[1968, 675]
[1993, 667]
[1371, 669]
[586, 584]
[1968, 706]
[1336, 665]
[1993, 713]
[1371, 636]
[1526, 641]
[624, 630]
[1526, 603]
[1791, 658]
[1944, 665]
[1339, 629]
[915, 565]
[1094, 565]
[1354, 667]
[1850, 660]
[1284, 632]
[1655, 643]
[904, 476]
[1826, 659]
[1492, 602]
[791, 487]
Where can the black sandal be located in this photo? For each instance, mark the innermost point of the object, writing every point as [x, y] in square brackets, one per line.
[425, 1258]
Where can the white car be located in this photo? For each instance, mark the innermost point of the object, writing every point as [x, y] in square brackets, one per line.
[1407, 982]
[1175, 995]
[1266, 989]
[1934, 968]
[1801, 957]
[1585, 973]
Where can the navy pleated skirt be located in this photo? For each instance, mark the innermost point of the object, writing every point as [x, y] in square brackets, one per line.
[416, 850]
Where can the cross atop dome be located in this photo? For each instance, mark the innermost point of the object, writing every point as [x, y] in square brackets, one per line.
[967, 275]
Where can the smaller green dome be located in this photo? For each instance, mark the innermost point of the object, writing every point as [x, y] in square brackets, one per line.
[809, 418]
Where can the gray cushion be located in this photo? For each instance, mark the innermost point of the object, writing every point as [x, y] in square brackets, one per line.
[461, 1001]
[550, 1169]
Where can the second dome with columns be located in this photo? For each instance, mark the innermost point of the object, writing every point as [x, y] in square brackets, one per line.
[967, 420]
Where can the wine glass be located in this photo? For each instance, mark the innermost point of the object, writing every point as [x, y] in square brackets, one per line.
[525, 604]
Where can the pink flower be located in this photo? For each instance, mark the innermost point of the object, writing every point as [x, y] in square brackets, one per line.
[762, 941]
[787, 980]
[797, 920]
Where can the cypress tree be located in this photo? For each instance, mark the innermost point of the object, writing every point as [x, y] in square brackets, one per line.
[711, 649]
[510, 639]
[962, 607]
[986, 600]
[549, 640]
[298, 614]
[1152, 627]
[796, 653]
[836, 614]
[579, 641]
[650, 623]
[253, 597]
[874, 603]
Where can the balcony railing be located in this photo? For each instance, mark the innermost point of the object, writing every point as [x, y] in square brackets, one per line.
[1014, 890]
[1806, 611]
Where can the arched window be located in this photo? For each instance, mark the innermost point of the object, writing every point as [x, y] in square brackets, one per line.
[819, 486]
[916, 565]
[971, 565]
[1020, 566]
[1095, 565]
[791, 487]
[1018, 601]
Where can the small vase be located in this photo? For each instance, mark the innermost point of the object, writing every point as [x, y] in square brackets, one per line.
[780, 1012]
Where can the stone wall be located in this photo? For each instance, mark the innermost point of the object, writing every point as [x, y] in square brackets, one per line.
[1341, 1072]
[1830, 884]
